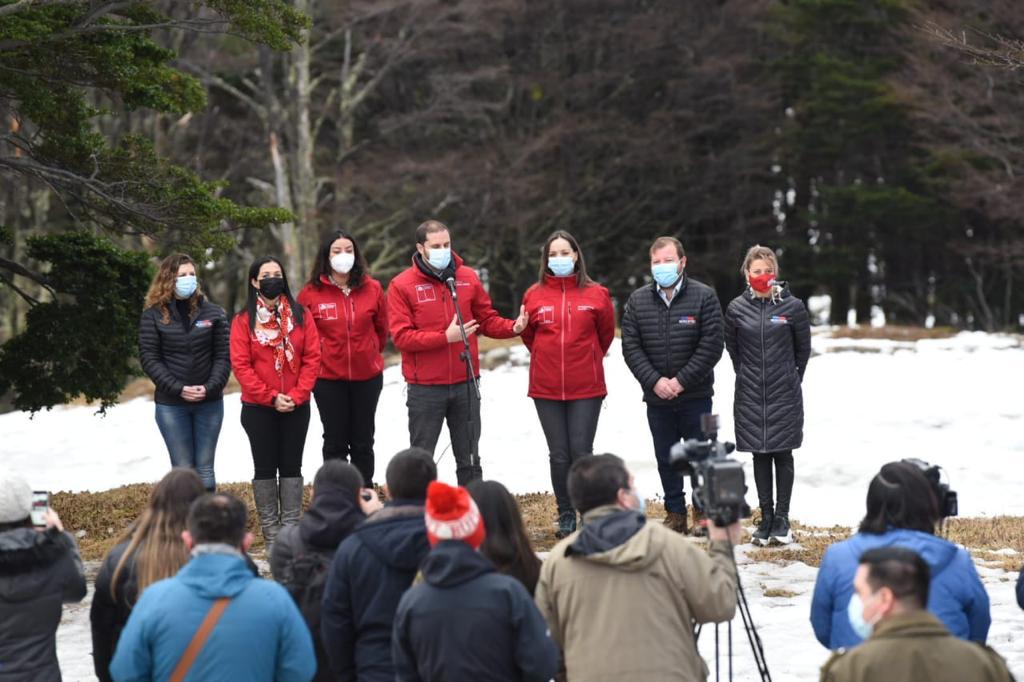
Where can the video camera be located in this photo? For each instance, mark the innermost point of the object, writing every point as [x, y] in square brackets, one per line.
[945, 497]
[719, 487]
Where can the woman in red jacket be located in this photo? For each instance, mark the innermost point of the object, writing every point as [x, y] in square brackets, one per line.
[572, 324]
[351, 316]
[275, 353]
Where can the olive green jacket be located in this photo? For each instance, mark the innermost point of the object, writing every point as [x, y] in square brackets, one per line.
[915, 647]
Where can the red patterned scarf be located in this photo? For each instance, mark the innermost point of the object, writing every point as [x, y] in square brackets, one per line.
[269, 331]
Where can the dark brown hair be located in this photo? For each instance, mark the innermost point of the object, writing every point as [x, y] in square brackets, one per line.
[582, 279]
[662, 242]
[900, 497]
[507, 544]
[322, 262]
[429, 227]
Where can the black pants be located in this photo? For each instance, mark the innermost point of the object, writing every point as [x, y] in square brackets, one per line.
[347, 411]
[669, 424]
[569, 428]
[431, 406]
[276, 438]
[784, 473]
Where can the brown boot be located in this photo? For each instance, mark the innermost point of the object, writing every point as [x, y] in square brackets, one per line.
[676, 521]
[698, 531]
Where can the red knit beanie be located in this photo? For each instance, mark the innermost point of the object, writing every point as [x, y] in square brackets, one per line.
[451, 514]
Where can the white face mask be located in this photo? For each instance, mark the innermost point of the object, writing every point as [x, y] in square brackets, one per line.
[343, 262]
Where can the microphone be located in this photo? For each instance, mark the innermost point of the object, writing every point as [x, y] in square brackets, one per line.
[450, 281]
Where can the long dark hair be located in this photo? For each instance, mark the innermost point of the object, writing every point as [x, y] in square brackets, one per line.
[322, 262]
[900, 497]
[582, 279]
[254, 271]
[506, 544]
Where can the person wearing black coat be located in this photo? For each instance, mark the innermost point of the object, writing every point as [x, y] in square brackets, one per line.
[40, 570]
[371, 569]
[184, 349]
[299, 552]
[466, 621]
[768, 336]
[1020, 589]
[671, 341]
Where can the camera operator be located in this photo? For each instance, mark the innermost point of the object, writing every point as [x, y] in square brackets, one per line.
[622, 594]
[903, 510]
[905, 642]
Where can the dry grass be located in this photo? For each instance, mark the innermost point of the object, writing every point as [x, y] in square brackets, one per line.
[105, 516]
[894, 333]
[779, 593]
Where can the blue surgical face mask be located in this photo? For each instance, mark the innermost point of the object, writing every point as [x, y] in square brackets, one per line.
[185, 286]
[642, 509]
[561, 266]
[665, 274]
[439, 258]
[855, 614]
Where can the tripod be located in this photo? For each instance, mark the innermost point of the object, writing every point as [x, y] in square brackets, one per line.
[472, 387]
[756, 646]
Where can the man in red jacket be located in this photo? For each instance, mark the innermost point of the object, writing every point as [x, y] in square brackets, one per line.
[425, 329]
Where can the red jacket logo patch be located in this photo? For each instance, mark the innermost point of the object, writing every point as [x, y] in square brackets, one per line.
[425, 293]
[328, 311]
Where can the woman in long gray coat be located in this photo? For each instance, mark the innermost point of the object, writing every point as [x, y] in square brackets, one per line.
[768, 336]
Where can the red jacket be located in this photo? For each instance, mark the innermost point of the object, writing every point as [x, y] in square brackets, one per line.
[253, 364]
[420, 310]
[570, 330]
[353, 329]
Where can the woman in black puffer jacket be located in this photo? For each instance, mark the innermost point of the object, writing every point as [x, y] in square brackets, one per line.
[768, 336]
[183, 347]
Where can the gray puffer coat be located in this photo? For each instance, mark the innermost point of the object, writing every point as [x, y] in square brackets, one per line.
[769, 342]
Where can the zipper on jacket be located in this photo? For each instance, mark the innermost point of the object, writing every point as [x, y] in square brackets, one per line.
[349, 314]
[764, 388]
[563, 340]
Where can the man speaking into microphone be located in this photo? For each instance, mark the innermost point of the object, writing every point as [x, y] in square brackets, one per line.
[426, 329]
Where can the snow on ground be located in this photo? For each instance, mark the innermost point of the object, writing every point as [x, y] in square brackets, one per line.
[949, 401]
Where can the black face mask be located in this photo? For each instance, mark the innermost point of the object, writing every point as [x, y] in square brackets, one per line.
[272, 287]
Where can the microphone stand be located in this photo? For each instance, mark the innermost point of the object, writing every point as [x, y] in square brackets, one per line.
[472, 384]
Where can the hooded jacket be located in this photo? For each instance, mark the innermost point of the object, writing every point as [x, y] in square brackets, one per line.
[681, 340]
[254, 364]
[353, 329]
[915, 647]
[260, 637]
[370, 571]
[174, 358]
[621, 596]
[956, 596]
[570, 331]
[420, 309]
[466, 621]
[769, 342]
[38, 573]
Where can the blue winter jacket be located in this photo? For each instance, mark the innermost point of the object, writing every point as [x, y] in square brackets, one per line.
[466, 621]
[1020, 589]
[371, 569]
[261, 635]
[956, 595]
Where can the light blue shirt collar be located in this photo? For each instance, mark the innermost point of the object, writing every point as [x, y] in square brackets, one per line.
[675, 291]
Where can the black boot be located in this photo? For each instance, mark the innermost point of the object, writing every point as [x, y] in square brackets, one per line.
[764, 529]
[780, 534]
[566, 524]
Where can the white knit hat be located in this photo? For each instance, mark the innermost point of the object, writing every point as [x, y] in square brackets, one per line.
[15, 499]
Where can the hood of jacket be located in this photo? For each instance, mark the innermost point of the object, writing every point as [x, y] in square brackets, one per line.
[331, 517]
[453, 562]
[25, 549]
[615, 537]
[216, 575]
[937, 552]
[397, 535]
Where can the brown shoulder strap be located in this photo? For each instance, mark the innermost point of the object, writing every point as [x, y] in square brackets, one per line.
[199, 639]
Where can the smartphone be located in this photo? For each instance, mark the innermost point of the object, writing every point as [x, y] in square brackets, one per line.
[40, 503]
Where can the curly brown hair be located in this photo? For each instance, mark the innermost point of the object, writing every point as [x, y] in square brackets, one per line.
[161, 290]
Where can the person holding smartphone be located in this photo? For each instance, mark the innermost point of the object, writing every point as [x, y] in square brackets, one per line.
[183, 347]
[275, 353]
[40, 569]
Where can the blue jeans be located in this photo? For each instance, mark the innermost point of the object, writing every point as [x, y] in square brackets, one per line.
[191, 432]
[669, 424]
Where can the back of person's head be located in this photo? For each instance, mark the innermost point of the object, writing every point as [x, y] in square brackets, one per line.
[409, 473]
[154, 540]
[15, 501]
[901, 571]
[596, 481]
[900, 497]
[337, 475]
[507, 545]
[217, 518]
[450, 513]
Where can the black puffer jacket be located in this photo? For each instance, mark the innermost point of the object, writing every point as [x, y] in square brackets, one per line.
[769, 343]
[174, 358]
[38, 573]
[682, 340]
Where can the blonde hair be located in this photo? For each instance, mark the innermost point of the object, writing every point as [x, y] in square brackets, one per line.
[161, 289]
[758, 252]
